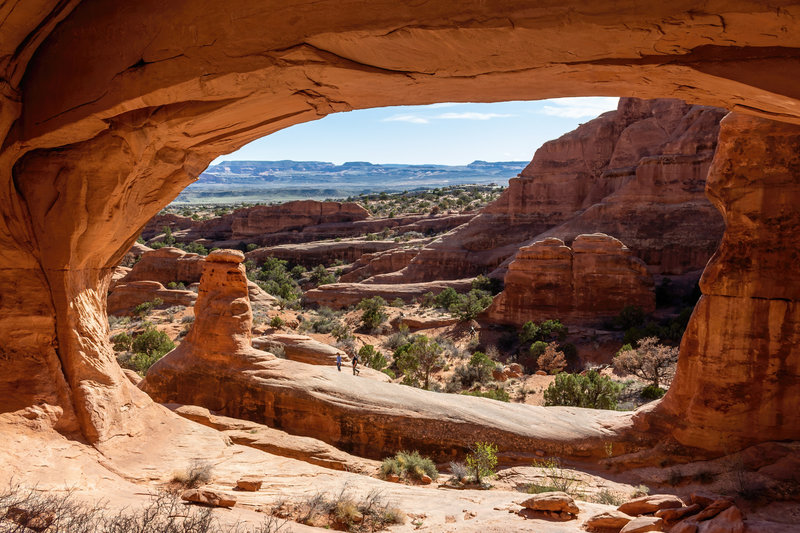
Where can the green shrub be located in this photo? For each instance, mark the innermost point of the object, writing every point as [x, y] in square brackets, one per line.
[546, 331]
[122, 342]
[371, 357]
[398, 302]
[274, 279]
[276, 322]
[320, 276]
[490, 285]
[325, 321]
[446, 298]
[651, 392]
[373, 314]
[145, 307]
[482, 460]
[470, 305]
[410, 465]
[252, 246]
[152, 342]
[592, 390]
[417, 359]
[428, 300]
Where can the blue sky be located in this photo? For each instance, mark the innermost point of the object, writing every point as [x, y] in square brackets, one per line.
[448, 133]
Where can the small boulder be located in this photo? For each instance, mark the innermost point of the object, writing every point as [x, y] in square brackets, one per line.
[609, 520]
[713, 510]
[675, 514]
[208, 497]
[650, 504]
[393, 478]
[425, 479]
[552, 501]
[249, 484]
[643, 524]
[728, 521]
[541, 373]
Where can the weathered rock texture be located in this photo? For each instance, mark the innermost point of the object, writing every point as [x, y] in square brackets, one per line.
[215, 367]
[738, 379]
[594, 279]
[92, 149]
[636, 173]
[167, 265]
[126, 296]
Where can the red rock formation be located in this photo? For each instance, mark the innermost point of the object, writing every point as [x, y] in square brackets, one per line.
[304, 228]
[167, 265]
[636, 173]
[92, 150]
[215, 367]
[369, 265]
[738, 379]
[593, 280]
[126, 296]
[321, 253]
[155, 226]
[341, 295]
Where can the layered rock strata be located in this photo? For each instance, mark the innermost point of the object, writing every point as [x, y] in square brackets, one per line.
[594, 279]
[636, 173]
[215, 367]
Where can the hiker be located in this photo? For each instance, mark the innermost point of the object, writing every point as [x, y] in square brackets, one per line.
[339, 361]
[356, 371]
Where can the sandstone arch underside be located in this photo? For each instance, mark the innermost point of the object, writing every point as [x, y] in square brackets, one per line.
[108, 109]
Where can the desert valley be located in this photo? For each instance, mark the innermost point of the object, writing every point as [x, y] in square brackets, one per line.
[607, 341]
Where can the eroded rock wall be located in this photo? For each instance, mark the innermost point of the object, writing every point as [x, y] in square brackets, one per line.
[92, 149]
[594, 279]
[636, 173]
[738, 379]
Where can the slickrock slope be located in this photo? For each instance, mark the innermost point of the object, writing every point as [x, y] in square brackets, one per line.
[215, 367]
[738, 379]
[636, 173]
[592, 280]
[278, 442]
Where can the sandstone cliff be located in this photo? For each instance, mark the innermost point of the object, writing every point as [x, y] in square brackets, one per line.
[636, 173]
[592, 280]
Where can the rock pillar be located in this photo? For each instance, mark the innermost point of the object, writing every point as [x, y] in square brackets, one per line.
[738, 379]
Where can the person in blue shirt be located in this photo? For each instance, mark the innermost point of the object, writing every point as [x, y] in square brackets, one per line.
[339, 361]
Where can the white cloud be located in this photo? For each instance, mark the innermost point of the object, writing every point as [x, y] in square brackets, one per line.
[413, 119]
[579, 107]
[472, 116]
[444, 104]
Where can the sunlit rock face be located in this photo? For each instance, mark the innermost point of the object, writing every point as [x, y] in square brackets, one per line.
[738, 379]
[592, 280]
[637, 174]
[108, 112]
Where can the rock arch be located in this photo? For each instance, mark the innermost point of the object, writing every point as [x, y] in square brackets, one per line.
[107, 111]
